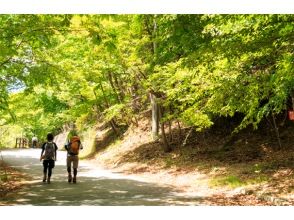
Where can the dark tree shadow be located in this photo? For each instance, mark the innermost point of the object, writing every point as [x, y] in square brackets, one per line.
[95, 190]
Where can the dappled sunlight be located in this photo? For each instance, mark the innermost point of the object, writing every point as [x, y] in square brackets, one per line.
[94, 186]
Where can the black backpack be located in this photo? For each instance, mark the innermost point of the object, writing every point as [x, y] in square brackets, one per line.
[49, 151]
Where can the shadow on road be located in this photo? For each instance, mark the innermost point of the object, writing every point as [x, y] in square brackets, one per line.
[89, 191]
[94, 187]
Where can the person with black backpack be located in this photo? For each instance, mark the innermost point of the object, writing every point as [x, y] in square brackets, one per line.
[49, 156]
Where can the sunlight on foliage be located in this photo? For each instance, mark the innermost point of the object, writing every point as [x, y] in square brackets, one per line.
[83, 69]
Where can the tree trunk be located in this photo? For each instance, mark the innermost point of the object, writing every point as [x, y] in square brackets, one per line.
[114, 127]
[180, 131]
[154, 35]
[170, 131]
[135, 98]
[110, 79]
[155, 116]
[277, 131]
[165, 144]
[98, 106]
[136, 121]
[120, 86]
[185, 141]
[112, 121]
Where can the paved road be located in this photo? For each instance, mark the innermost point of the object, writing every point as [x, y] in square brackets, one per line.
[95, 186]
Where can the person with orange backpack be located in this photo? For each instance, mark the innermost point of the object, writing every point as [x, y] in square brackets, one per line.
[73, 147]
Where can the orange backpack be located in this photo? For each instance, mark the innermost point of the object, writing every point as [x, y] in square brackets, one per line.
[75, 145]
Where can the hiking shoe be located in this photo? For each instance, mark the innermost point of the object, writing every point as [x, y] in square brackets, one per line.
[74, 180]
[44, 180]
[48, 180]
[69, 178]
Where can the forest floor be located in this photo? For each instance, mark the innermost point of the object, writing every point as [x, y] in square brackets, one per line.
[10, 179]
[248, 171]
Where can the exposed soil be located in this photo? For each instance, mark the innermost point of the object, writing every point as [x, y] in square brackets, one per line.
[248, 169]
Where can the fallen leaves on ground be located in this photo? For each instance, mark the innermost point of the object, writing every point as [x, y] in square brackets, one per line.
[11, 179]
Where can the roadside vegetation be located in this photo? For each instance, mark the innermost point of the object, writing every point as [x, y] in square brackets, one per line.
[206, 93]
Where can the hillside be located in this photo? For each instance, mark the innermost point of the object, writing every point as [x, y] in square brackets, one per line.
[200, 77]
[249, 172]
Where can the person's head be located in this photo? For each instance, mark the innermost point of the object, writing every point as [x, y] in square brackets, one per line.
[50, 137]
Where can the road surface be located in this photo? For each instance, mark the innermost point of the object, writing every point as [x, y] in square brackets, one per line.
[94, 187]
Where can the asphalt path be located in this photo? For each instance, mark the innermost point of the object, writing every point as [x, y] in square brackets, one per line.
[94, 187]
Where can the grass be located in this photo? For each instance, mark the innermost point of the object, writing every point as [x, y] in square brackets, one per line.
[3, 177]
[169, 162]
[258, 179]
[230, 181]
[233, 181]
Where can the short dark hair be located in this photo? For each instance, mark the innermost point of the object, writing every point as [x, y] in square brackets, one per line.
[50, 137]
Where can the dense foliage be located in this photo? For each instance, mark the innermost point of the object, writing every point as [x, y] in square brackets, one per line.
[58, 69]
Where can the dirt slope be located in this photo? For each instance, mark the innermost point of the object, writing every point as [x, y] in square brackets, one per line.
[251, 171]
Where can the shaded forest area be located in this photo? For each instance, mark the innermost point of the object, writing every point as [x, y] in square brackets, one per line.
[222, 85]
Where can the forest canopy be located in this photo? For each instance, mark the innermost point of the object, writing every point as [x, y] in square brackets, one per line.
[61, 69]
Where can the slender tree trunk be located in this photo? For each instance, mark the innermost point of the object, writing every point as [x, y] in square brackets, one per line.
[154, 104]
[185, 141]
[170, 131]
[155, 116]
[154, 35]
[165, 144]
[136, 121]
[135, 99]
[170, 126]
[98, 106]
[114, 127]
[120, 86]
[111, 122]
[277, 131]
[180, 131]
[110, 79]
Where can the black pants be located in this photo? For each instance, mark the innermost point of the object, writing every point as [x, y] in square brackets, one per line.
[34, 144]
[48, 165]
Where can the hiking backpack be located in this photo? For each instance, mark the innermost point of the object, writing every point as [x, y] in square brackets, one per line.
[74, 145]
[49, 151]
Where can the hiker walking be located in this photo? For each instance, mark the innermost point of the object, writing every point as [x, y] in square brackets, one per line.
[48, 155]
[73, 147]
[34, 142]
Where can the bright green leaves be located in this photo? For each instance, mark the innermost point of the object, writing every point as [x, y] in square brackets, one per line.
[236, 64]
[113, 111]
[82, 68]
[50, 103]
[194, 117]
